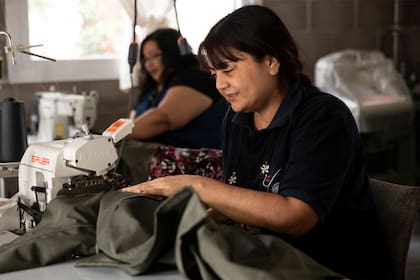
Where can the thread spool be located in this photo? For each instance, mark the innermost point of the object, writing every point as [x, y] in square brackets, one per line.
[13, 138]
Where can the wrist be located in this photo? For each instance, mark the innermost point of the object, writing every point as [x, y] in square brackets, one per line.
[202, 188]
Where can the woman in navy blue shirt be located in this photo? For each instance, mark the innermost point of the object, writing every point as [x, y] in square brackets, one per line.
[292, 155]
[178, 103]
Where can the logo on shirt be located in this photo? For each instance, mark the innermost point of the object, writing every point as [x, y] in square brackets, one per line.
[232, 179]
[268, 182]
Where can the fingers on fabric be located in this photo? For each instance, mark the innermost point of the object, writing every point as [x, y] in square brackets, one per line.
[134, 189]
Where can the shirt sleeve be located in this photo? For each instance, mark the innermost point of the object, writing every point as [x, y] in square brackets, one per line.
[199, 80]
[322, 148]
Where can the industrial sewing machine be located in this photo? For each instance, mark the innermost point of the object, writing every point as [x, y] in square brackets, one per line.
[59, 115]
[73, 165]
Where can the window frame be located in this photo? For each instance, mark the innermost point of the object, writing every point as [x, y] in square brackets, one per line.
[27, 70]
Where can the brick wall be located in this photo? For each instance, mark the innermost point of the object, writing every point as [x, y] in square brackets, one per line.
[324, 26]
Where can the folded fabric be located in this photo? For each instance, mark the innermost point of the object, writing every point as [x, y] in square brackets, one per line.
[135, 160]
[206, 250]
[135, 232]
[203, 249]
[67, 229]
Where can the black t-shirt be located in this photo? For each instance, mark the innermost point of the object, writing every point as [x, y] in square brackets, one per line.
[204, 130]
[195, 78]
[311, 151]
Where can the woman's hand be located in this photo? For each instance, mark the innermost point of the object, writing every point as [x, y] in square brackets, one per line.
[132, 115]
[255, 209]
[164, 186]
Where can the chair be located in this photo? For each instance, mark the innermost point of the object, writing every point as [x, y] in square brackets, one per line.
[397, 209]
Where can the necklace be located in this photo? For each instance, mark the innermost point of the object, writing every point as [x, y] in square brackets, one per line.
[152, 97]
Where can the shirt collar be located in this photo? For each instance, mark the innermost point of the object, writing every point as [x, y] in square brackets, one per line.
[286, 109]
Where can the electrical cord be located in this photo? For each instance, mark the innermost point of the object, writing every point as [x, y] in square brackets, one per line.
[133, 48]
[176, 17]
[184, 47]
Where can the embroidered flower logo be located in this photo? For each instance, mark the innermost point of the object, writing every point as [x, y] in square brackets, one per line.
[265, 168]
[232, 179]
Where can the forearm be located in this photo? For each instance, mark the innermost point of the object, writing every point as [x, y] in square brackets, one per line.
[150, 124]
[282, 214]
[250, 207]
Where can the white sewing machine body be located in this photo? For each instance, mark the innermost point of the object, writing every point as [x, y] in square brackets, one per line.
[59, 112]
[47, 166]
[51, 164]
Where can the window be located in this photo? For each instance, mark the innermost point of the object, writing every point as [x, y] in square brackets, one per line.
[86, 37]
[195, 25]
[90, 38]
[196, 17]
[78, 29]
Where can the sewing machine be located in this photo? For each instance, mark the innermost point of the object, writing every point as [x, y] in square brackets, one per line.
[59, 114]
[73, 165]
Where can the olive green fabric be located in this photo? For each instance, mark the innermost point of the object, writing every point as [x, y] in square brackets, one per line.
[203, 249]
[136, 232]
[136, 156]
[206, 250]
[143, 231]
[67, 229]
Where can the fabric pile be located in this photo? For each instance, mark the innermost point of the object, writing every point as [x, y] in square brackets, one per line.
[136, 232]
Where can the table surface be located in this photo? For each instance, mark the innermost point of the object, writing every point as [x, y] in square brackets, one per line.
[67, 271]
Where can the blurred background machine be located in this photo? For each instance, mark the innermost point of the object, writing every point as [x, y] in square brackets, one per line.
[58, 115]
[382, 106]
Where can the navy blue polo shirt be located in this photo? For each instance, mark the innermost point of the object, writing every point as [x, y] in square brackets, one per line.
[311, 151]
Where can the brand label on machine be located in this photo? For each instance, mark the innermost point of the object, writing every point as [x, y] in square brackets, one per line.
[40, 160]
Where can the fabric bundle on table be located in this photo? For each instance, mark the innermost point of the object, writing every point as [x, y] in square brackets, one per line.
[135, 232]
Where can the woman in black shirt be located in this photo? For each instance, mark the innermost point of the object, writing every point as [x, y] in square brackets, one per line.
[178, 103]
[292, 155]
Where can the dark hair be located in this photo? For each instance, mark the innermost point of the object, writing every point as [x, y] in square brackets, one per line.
[258, 31]
[172, 60]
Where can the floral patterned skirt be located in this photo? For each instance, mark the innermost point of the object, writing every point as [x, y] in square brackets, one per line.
[169, 160]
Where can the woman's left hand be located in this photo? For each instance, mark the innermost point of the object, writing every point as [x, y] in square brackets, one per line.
[163, 186]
